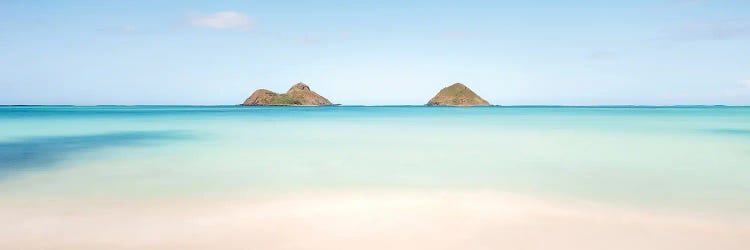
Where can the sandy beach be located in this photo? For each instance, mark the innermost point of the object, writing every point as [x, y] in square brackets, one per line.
[373, 219]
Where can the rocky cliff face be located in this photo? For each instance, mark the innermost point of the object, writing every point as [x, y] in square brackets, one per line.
[260, 97]
[457, 95]
[302, 92]
[298, 94]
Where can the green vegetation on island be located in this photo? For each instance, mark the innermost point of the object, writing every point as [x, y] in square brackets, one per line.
[298, 94]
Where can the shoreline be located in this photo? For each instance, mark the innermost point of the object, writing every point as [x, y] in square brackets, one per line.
[361, 219]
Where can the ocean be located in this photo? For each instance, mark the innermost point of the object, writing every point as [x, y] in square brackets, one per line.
[687, 159]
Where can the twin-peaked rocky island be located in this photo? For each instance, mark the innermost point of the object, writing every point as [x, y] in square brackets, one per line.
[301, 95]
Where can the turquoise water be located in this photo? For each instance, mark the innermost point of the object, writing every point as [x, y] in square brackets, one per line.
[687, 158]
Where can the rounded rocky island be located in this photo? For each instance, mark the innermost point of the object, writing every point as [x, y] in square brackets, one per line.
[457, 95]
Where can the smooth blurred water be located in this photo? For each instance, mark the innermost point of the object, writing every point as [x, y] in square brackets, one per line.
[688, 158]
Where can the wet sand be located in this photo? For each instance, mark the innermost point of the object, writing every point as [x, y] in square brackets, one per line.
[375, 219]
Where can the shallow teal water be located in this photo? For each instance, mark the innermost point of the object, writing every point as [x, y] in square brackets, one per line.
[687, 158]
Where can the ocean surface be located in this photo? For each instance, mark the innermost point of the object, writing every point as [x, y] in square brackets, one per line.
[688, 159]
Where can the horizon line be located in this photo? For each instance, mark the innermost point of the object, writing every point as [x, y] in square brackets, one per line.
[363, 105]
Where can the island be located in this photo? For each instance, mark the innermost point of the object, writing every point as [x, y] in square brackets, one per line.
[457, 95]
[298, 95]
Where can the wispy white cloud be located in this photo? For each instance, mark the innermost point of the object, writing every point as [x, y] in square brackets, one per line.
[740, 90]
[227, 20]
[459, 35]
[121, 29]
[691, 1]
[603, 55]
[717, 30]
[309, 38]
[318, 37]
[128, 28]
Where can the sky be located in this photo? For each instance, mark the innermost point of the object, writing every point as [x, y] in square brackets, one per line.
[636, 52]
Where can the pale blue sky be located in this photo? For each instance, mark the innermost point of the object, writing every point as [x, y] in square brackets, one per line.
[655, 52]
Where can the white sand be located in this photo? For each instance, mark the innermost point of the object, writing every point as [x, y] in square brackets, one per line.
[357, 220]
